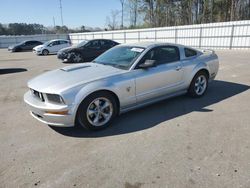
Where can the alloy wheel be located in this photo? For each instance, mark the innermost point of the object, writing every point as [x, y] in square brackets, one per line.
[200, 85]
[99, 111]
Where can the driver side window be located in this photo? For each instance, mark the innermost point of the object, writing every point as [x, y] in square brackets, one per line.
[162, 55]
[93, 44]
[54, 43]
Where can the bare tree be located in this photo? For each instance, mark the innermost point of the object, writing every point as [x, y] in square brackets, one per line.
[111, 21]
[158, 13]
[133, 8]
[149, 11]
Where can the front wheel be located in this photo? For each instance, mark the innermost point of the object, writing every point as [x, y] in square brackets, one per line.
[97, 111]
[76, 57]
[199, 84]
[45, 52]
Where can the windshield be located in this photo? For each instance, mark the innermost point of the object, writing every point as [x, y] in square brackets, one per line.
[47, 43]
[21, 43]
[121, 57]
[82, 43]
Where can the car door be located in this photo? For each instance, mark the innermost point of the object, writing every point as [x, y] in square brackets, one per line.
[53, 46]
[162, 79]
[103, 46]
[63, 44]
[34, 44]
[106, 45]
[92, 50]
[26, 46]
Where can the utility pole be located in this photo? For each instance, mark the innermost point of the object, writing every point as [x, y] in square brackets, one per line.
[122, 3]
[61, 11]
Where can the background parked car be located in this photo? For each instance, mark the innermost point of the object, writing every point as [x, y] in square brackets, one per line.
[51, 47]
[24, 46]
[85, 51]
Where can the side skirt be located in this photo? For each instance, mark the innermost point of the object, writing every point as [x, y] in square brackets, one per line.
[154, 100]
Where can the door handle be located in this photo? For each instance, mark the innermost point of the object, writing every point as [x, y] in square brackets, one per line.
[178, 68]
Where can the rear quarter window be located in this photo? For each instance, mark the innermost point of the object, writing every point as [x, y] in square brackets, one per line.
[189, 52]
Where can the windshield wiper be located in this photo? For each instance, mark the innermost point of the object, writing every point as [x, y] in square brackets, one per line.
[110, 64]
[118, 66]
[99, 62]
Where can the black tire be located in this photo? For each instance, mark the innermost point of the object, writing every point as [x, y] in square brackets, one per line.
[193, 89]
[45, 52]
[76, 57]
[83, 120]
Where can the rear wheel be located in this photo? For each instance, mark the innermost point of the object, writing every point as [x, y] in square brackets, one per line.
[97, 111]
[199, 84]
[45, 52]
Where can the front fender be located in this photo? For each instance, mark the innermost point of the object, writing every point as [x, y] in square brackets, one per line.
[89, 88]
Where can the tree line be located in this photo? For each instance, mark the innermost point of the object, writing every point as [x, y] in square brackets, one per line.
[32, 29]
[150, 13]
[159, 13]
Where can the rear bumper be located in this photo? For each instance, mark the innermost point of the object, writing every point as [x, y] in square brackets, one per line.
[39, 110]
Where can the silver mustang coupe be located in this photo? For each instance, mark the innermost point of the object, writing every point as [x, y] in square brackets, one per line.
[123, 78]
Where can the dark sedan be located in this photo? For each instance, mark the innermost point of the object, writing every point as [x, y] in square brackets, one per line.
[85, 51]
[24, 46]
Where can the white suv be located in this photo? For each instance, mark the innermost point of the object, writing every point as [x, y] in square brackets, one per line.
[51, 47]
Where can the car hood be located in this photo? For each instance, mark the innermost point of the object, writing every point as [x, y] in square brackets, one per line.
[67, 49]
[60, 80]
[39, 46]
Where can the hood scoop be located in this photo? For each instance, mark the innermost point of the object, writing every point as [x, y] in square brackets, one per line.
[73, 68]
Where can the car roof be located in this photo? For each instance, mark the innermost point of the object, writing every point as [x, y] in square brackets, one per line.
[30, 40]
[58, 40]
[99, 39]
[150, 44]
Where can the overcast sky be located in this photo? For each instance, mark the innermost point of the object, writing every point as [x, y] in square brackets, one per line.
[75, 12]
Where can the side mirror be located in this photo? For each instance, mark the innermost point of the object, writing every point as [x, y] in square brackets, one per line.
[147, 64]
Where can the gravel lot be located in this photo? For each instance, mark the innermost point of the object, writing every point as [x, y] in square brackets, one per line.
[181, 142]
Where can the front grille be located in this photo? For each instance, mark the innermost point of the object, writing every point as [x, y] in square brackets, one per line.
[37, 94]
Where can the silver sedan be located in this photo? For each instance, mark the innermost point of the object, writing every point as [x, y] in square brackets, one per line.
[125, 77]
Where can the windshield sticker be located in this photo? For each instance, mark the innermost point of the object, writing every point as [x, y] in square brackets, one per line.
[137, 50]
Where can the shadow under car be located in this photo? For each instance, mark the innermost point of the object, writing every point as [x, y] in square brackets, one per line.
[12, 70]
[152, 115]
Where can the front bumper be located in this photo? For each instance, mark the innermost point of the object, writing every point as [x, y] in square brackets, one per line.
[37, 52]
[63, 56]
[39, 110]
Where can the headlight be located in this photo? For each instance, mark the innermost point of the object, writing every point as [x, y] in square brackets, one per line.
[55, 98]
